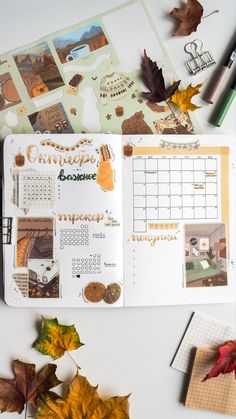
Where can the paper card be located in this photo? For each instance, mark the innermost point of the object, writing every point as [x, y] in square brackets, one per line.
[9, 95]
[38, 69]
[85, 78]
[202, 331]
[44, 278]
[206, 263]
[80, 42]
[35, 240]
[216, 394]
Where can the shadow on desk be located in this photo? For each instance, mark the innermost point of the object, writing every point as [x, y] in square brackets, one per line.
[1, 253]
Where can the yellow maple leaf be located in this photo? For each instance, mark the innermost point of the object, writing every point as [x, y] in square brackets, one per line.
[182, 98]
[55, 339]
[82, 402]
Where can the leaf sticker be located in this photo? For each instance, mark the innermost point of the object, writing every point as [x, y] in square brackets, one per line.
[226, 361]
[154, 80]
[55, 339]
[82, 402]
[26, 386]
[182, 98]
[190, 16]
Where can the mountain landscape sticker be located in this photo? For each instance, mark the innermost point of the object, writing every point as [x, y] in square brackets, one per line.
[38, 70]
[80, 42]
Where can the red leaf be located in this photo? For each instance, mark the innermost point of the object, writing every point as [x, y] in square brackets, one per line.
[226, 362]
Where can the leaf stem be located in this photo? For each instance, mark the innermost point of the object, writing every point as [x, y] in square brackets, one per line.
[168, 104]
[72, 359]
[26, 406]
[215, 11]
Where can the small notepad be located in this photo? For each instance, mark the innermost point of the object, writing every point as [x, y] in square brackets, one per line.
[203, 331]
[216, 394]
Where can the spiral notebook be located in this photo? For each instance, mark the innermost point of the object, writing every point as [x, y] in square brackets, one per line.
[101, 220]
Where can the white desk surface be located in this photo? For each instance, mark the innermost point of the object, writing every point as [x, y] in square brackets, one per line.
[127, 350]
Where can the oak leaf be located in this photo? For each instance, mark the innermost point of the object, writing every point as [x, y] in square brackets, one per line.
[226, 361]
[154, 80]
[55, 339]
[82, 402]
[189, 16]
[26, 386]
[182, 98]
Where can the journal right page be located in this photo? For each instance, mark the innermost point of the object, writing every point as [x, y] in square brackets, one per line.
[179, 218]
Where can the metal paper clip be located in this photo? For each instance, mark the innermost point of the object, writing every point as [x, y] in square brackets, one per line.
[200, 60]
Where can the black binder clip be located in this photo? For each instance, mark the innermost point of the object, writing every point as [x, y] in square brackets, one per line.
[6, 229]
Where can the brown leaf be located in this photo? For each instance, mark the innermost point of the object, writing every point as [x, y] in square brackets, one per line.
[26, 386]
[154, 80]
[226, 361]
[189, 16]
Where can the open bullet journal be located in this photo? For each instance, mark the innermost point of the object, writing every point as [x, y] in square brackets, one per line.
[100, 220]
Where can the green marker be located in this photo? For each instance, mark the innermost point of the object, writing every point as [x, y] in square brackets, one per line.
[221, 114]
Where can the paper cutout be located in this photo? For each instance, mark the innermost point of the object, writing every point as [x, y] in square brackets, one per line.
[8, 93]
[80, 42]
[178, 124]
[53, 119]
[5, 131]
[36, 190]
[136, 125]
[202, 331]
[90, 114]
[108, 60]
[34, 240]
[22, 281]
[45, 100]
[105, 175]
[87, 68]
[209, 269]
[38, 70]
[114, 86]
[43, 278]
[11, 119]
[216, 395]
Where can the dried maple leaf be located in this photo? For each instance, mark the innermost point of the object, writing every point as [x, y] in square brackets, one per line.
[226, 361]
[154, 80]
[182, 98]
[189, 16]
[26, 386]
[55, 339]
[82, 402]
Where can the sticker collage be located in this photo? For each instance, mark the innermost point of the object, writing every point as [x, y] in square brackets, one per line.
[82, 80]
[104, 220]
[67, 219]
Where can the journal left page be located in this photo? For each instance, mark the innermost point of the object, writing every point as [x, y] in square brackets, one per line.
[64, 194]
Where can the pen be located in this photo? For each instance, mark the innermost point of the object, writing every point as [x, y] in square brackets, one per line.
[220, 116]
[222, 76]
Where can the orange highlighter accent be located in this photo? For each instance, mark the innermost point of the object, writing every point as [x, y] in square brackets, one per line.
[105, 176]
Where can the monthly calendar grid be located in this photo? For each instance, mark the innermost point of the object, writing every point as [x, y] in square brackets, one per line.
[36, 189]
[174, 188]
